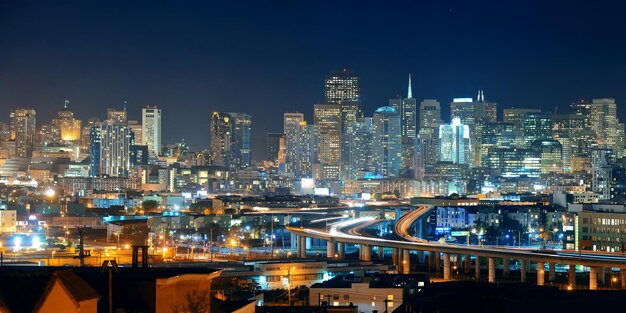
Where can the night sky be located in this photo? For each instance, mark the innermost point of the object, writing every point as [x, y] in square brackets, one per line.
[265, 58]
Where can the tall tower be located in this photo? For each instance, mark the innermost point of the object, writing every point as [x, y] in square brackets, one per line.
[407, 110]
[327, 119]
[387, 142]
[23, 127]
[454, 140]
[116, 138]
[605, 123]
[151, 129]
[230, 139]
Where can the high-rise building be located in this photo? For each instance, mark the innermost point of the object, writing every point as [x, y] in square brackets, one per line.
[70, 128]
[327, 121]
[350, 115]
[117, 116]
[273, 146]
[230, 139]
[407, 109]
[474, 114]
[605, 123]
[454, 142]
[94, 148]
[516, 117]
[116, 139]
[492, 135]
[430, 114]
[550, 153]
[361, 161]
[298, 138]
[151, 129]
[387, 142]
[537, 126]
[23, 127]
[342, 86]
[570, 131]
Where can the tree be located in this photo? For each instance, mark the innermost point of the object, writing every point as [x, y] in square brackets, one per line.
[149, 205]
[195, 302]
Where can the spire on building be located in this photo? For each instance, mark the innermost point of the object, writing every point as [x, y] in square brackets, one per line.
[66, 103]
[125, 103]
[482, 96]
[410, 93]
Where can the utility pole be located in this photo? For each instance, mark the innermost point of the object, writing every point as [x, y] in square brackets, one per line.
[110, 269]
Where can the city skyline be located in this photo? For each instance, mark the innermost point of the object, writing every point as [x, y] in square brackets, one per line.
[250, 66]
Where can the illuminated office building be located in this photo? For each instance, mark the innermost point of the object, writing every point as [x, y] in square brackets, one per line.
[387, 142]
[606, 125]
[327, 120]
[550, 152]
[341, 87]
[537, 126]
[570, 131]
[492, 135]
[116, 139]
[407, 109]
[430, 114]
[361, 162]
[454, 143]
[274, 144]
[474, 114]
[23, 127]
[516, 117]
[151, 129]
[230, 140]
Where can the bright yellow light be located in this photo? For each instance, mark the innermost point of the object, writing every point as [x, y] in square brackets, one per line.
[50, 193]
[126, 246]
[164, 249]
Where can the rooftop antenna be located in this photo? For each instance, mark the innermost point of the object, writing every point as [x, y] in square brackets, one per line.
[125, 103]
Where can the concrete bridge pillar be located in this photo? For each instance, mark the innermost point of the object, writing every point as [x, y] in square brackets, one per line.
[603, 276]
[380, 252]
[477, 268]
[420, 257]
[294, 242]
[491, 262]
[437, 262]
[431, 261]
[398, 213]
[593, 278]
[541, 266]
[522, 271]
[341, 251]
[622, 274]
[394, 257]
[506, 267]
[552, 271]
[301, 246]
[466, 266]
[571, 276]
[406, 261]
[446, 266]
[331, 248]
[366, 252]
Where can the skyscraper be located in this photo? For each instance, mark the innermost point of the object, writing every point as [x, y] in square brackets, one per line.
[298, 137]
[23, 127]
[407, 109]
[474, 114]
[342, 86]
[94, 148]
[350, 114]
[273, 146]
[516, 117]
[69, 127]
[327, 120]
[116, 138]
[151, 129]
[430, 114]
[454, 142]
[387, 142]
[605, 123]
[537, 126]
[230, 139]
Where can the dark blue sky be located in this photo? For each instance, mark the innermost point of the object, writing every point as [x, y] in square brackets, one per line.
[264, 58]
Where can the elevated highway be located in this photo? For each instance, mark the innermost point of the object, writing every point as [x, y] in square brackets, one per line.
[350, 232]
